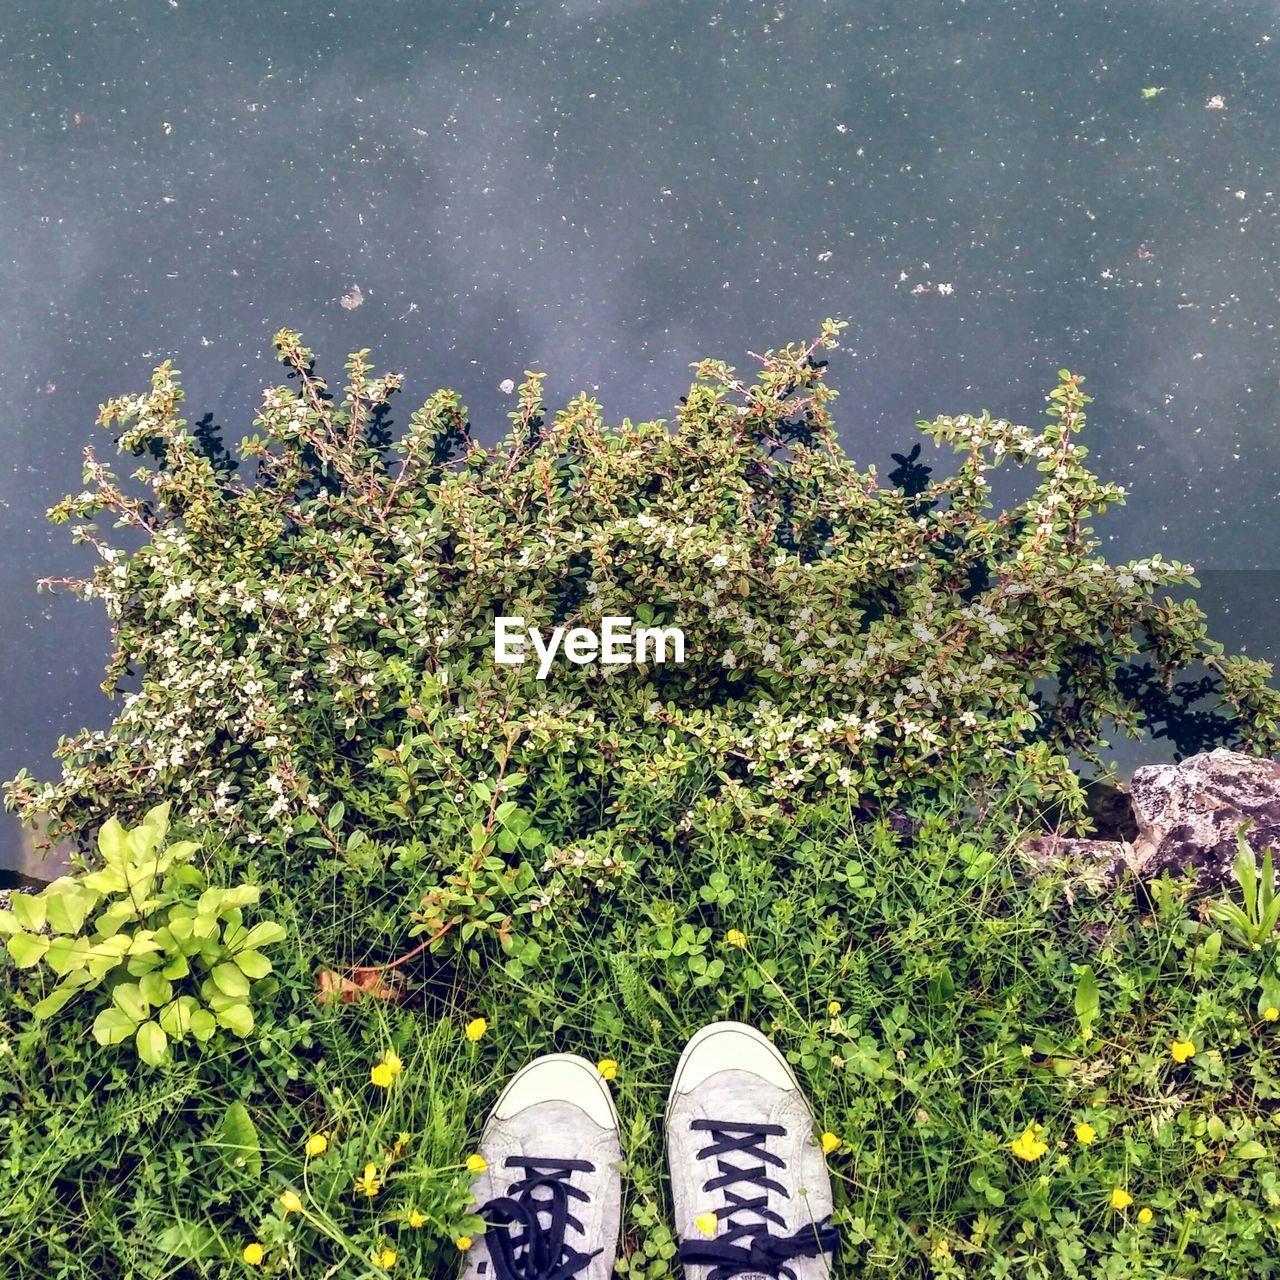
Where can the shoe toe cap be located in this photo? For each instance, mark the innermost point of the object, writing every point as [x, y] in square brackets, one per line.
[559, 1077]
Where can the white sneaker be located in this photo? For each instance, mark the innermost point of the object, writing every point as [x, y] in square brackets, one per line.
[749, 1182]
[552, 1194]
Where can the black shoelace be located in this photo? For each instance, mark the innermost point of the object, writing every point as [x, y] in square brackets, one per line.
[526, 1228]
[748, 1246]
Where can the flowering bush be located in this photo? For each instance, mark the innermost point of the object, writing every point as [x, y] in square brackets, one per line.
[313, 650]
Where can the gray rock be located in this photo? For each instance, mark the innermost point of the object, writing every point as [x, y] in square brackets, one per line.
[1096, 861]
[1189, 814]
[4, 899]
[1188, 817]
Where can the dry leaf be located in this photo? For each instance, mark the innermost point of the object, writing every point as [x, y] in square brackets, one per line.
[334, 987]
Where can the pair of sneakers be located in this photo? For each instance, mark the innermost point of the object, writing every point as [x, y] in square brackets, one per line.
[749, 1181]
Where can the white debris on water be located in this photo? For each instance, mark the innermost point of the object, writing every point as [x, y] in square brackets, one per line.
[506, 386]
[352, 299]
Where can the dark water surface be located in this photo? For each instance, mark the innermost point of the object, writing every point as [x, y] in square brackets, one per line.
[610, 190]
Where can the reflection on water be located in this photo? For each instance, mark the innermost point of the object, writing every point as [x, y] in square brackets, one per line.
[23, 865]
[988, 191]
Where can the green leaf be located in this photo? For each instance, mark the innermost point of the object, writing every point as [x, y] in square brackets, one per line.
[179, 852]
[9, 924]
[942, 987]
[30, 910]
[26, 949]
[113, 1026]
[108, 880]
[1088, 1001]
[176, 1017]
[203, 1025]
[264, 934]
[156, 988]
[185, 874]
[204, 926]
[55, 1000]
[110, 920]
[111, 844]
[68, 904]
[241, 1148]
[144, 964]
[230, 981]
[237, 1018]
[65, 954]
[211, 901]
[244, 895]
[128, 998]
[189, 1241]
[1253, 1150]
[153, 1044]
[253, 964]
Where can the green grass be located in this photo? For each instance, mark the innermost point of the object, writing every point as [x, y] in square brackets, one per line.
[957, 1029]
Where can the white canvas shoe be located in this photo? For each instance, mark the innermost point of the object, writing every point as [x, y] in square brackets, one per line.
[552, 1193]
[749, 1182]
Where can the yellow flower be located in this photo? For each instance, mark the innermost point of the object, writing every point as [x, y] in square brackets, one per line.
[1271, 1014]
[1145, 1216]
[369, 1183]
[833, 1009]
[706, 1223]
[1085, 1133]
[391, 1060]
[475, 1029]
[463, 1243]
[608, 1068]
[399, 1145]
[476, 1163]
[1120, 1198]
[1181, 1050]
[317, 1145]
[254, 1253]
[385, 1258]
[736, 938]
[417, 1219]
[830, 1142]
[1029, 1146]
[382, 1075]
[291, 1201]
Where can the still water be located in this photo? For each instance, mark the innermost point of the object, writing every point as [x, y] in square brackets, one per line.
[610, 189]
